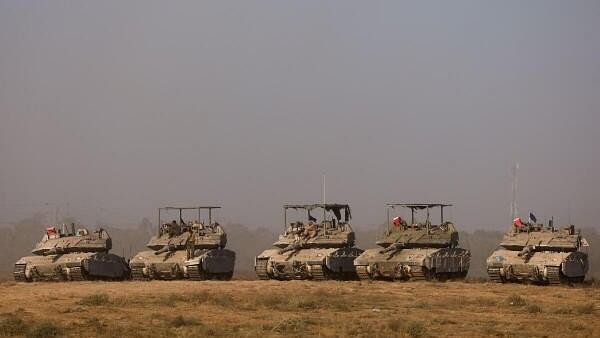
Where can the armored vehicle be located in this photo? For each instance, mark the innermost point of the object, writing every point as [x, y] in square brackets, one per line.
[312, 250]
[185, 250]
[72, 255]
[541, 254]
[415, 251]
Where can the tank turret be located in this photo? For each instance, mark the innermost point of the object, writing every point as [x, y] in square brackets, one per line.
[539, 253]
[311, 249]
[192, 249]
[415, 250]
[80, 240]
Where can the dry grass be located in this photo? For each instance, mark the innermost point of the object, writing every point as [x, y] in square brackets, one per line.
[12, 324]
[296, 309]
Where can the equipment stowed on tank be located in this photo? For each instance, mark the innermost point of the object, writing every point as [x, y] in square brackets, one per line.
[72, 255]
[419, 251]
[312, 250]
[192, 250]
[540, 254]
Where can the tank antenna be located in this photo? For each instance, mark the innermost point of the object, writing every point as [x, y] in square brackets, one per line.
[513, 206]
[323, 200]
[323, 188]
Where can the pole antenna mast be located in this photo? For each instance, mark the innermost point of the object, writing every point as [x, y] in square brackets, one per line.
[323, 188]
[513, 206]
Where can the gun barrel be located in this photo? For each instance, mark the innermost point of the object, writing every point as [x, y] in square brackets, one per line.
[393, 247]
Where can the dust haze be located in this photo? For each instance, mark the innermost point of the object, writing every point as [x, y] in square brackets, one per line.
[109, 110]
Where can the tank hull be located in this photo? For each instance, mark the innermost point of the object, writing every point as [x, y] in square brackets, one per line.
[313, 263]
[71, 267]
[544, 267]
[414, 264]
[209, 264]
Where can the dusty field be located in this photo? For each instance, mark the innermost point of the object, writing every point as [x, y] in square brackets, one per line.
[328, 309]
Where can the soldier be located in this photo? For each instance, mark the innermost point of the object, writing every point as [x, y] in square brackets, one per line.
[296, 245]
[190, 245]
[399, 223]
[310, 230]
[175, 229]
[217, 228]
[197, 225]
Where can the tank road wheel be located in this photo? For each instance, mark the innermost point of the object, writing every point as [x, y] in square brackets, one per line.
[319, 272]
[261, 269]
[363, 273]
[19, 273]
[494, 275]
[137, 274]
[553, 275]
[195, 273]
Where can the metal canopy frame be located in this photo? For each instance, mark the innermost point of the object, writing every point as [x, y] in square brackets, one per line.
[417, 206]
[181, 209]
[325, 206]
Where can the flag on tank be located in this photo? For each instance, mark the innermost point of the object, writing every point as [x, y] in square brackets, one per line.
[532, 218]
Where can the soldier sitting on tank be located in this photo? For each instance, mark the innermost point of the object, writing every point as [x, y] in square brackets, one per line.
[170, 229]
[218, 228]
[197, 226]
[175, 229]
[518, 225]
[301, 235]
[295, 245]
[310, 230]
[51, 232]
[164, 229]
[444, 226]
[399, 223]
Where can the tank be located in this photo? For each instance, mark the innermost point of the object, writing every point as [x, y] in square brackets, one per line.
[185, 250]
[415, 251]
[311, 249]
[72, 255]
[539, 254]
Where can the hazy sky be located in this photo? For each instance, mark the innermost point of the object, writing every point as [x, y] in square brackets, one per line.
[119, 107]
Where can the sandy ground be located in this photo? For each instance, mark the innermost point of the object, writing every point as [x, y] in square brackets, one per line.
[297, 308]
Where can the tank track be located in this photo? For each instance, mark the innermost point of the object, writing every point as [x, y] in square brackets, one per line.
[194, 273]
[261, 269]
[76, 274]
[417, 273]
[363, 274]
[494, 275]
[318, 272]
[19, 273]
[554, 277]
[137, 274]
